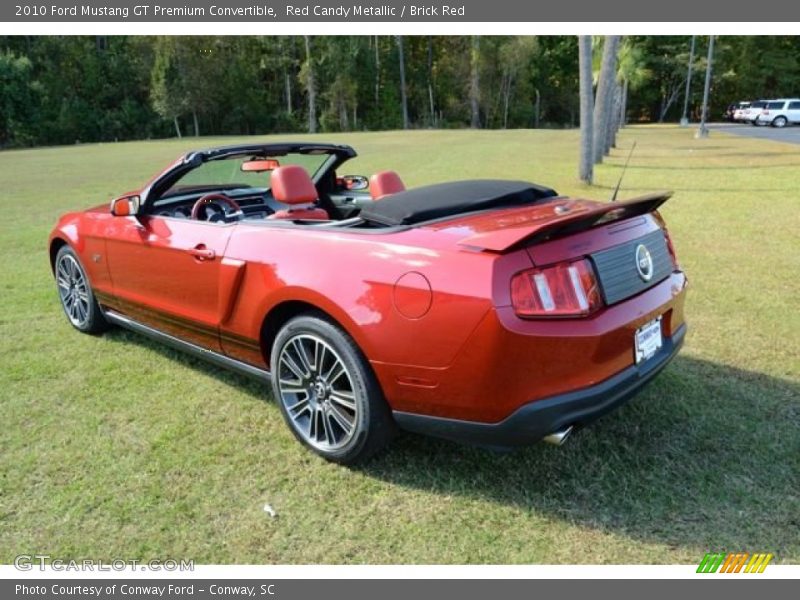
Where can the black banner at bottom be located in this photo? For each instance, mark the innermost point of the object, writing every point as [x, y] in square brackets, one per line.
[382, 589]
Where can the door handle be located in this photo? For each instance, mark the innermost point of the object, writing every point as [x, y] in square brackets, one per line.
[202, 253]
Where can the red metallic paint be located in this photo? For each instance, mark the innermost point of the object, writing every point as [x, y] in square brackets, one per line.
[429, 309]
[155, 271]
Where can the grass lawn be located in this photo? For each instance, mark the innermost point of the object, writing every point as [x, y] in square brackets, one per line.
[114, 446]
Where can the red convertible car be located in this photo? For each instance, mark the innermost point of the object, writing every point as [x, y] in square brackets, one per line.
[494, 312]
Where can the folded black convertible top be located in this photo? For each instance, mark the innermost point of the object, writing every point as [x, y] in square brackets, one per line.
[449, 199]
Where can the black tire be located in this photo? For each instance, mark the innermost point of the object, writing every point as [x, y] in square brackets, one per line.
[780, 122]
[75, 293]
[299, 342]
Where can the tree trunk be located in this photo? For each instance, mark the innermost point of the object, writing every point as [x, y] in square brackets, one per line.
[605, 96]
[665, 106]
[430, 82]
[613, 119]
[403, 97]
[585, 163]
[506, 87]
[686, 95]
[177, 126]
[196, 124]
[377, 70]
[288, 83]
[702, 131]
[312, 89]
[474, 83]
[623, 110]
[344, 120]
[433, 106]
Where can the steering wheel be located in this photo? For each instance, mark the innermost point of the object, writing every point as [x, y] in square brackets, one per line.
[202, 202]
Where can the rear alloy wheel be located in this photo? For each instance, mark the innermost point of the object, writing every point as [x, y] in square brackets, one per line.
[779, 122]
[75, 293]
[327, 392]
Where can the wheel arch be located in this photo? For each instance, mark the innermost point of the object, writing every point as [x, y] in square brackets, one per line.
[282, 312]
[56, 243]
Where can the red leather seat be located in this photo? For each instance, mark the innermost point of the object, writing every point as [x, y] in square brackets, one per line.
[292, 185]
[385, 183]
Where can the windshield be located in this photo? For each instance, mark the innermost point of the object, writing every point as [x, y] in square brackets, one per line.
[227, 174]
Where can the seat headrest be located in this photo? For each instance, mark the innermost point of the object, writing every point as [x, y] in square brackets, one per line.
[385, 183]
[292, 185]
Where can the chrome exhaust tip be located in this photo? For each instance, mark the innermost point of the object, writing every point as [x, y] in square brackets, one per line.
[558, 437]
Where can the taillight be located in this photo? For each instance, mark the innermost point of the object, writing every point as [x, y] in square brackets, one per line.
[567, 289]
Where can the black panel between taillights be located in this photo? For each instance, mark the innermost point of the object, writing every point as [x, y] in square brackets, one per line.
[616, 267]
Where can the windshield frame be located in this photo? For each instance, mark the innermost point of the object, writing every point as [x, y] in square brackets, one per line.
[173, 192]
[337, 155]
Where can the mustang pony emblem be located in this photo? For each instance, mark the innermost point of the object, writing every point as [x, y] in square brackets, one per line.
[644, 262]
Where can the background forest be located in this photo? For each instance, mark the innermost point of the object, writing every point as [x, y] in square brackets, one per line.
[69, 89]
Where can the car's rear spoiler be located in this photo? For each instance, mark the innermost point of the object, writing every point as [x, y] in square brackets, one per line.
[501, 240]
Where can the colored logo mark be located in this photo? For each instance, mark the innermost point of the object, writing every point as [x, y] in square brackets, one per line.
[734, 562]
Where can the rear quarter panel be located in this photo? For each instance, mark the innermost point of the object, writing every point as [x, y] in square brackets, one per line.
[356, 278]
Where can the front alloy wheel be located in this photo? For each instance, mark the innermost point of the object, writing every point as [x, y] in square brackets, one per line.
[327, 392]
[75, 293]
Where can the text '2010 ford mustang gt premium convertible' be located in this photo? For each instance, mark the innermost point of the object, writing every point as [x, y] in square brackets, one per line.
[493, 312]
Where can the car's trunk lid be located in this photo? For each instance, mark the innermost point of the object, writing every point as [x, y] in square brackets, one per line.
[503, 230]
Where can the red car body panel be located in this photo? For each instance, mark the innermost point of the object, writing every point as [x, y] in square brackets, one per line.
[429, 306]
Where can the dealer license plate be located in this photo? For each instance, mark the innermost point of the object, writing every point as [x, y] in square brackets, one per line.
[648, 340]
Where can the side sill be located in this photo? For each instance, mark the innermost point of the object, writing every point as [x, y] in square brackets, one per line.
[184, 346]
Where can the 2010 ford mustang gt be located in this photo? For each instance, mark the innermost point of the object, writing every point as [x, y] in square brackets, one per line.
[494, 312]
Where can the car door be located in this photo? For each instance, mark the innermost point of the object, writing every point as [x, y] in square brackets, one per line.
[166, 273]
[793, 113]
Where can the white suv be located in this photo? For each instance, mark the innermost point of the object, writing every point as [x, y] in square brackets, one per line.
[780, 113]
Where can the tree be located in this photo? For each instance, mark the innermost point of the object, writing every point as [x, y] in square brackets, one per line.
[514, 55]
[403, 93]
[474, 82]
[307, 77]
[167, 90]
[632, 72]
[17, 99]
[431, 103]
[585, 163]
[702, 130]
[64, 89]
[689, 68]
[605, 96]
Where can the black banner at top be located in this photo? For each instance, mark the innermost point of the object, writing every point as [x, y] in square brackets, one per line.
[340, 11]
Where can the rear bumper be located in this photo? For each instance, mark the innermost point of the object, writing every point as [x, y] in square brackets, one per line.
[533, 421]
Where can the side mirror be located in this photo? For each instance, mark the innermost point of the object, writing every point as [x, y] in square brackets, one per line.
[125, 206]
[354, 182]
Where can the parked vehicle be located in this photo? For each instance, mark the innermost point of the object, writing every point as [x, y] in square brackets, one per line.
[494, 312]
[750, 112]
[780, 113]
[733, 111]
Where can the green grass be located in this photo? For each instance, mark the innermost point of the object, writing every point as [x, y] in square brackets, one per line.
[114, 446]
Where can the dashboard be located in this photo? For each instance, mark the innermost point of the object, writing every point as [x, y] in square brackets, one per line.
[254, 206]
